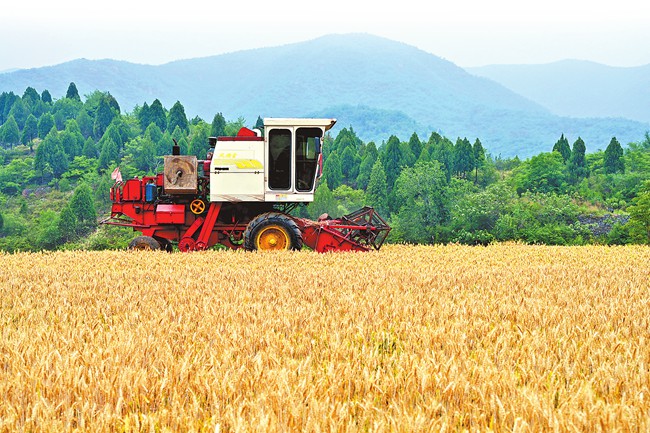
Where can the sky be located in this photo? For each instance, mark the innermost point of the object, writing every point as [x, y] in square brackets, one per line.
[466, 32]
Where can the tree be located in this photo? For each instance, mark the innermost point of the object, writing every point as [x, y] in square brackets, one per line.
[391, 161]
[178, 119]
[377, 191]
[46, 97]
[421, 192]
[562, 146]
[577, 163]
[324, 202]
[157, 115]
[442, 150]
[542, 173]
[45, 125]
[89, 149]
[20, 111]
[31, 96]
[415, 145]
[9, 132]
[64, 110]
[479, 157]
[83, 206]
[199, 140]
[30, 131]
[367, 162]
[332, 171]
[640, 216]
[103, 118]
[463, 158]
[72, 92]
[67, 224]
[109, 153]
[259, 124]
[50, 156]
[218, 127]
[613, 158]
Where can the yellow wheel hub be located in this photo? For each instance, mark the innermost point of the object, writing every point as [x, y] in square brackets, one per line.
[273, 237]
[197, 206]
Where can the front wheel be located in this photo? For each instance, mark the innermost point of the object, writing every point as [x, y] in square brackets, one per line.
[144, 243]
[272, 231]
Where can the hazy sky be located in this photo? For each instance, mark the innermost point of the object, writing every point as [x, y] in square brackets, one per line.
[466, 32]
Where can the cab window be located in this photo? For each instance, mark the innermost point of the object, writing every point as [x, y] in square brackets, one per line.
[280, 159]
[306, 157]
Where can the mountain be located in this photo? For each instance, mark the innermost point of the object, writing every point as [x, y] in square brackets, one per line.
[378, 86]
[578, 88]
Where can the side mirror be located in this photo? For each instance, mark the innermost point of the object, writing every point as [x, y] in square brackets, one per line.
[317, 141]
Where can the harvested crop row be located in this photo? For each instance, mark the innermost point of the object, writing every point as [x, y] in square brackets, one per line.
[507, 337]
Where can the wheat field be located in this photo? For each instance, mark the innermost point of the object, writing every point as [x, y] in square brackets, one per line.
[428, 338]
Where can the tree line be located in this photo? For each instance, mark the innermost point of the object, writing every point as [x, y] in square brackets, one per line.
[432, 190]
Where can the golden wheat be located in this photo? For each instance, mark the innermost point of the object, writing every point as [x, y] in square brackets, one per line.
[504, 338]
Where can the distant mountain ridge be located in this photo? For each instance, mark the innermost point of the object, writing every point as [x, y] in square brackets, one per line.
[578, 88]
[378, 86]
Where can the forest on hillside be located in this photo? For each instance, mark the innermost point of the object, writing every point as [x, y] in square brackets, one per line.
[56, 157]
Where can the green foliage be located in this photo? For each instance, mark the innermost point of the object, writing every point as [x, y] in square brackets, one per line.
[30, 132]
[9, 132]
[83, 206]
[542, 173]
[324, 202]
[639, 224]
[613, 158]
[422, 195]
[377, 190]
[562, 147]
[72, 92]
[178, 119]
[218, 127]
[45, 125]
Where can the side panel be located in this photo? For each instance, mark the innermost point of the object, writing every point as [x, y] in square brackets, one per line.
[237, 171]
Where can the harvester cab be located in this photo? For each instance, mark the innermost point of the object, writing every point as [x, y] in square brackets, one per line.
[242, 196]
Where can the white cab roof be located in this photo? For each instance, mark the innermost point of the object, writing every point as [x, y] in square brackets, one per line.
[277, 121]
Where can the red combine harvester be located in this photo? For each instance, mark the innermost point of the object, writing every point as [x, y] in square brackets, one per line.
[241, 196]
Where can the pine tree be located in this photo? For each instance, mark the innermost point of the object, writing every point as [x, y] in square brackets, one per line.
[67, 224]
[479, 157]
[103, 118]
[332, 171]
[218, 127]
[613, 162]
[415, 145]
[45, 125]
[46, 97]
[83, 206]
[578, 163]
[30, 131]
[178, 119]
[89, 149]
[157, 115]
[72, 92]
[463, 158]
[20, 111]
[391, 161]
[562, 146]
[377, 191]
[9, 132]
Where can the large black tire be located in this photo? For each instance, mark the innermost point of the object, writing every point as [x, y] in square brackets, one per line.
[272, 231]
[144, 243]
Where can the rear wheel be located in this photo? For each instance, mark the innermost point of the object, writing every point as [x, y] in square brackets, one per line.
[272, 232]
[144, 243]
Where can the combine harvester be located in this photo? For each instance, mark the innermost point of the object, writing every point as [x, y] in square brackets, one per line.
[241, 196]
